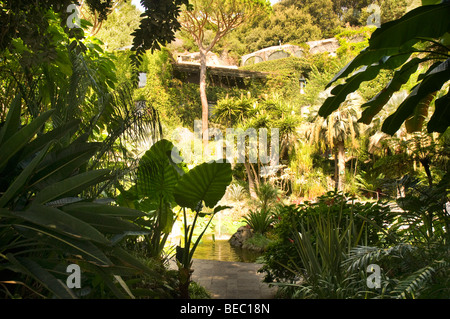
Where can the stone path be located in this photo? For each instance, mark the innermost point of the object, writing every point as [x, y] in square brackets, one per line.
[231, 280]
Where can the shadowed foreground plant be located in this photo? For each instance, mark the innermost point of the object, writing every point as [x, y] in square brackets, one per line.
[407, 272]
[321, 244]
[204, 185]
[45, 222]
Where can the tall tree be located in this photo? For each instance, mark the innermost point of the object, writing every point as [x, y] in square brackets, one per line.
[116, 31]
[28, 21]
[337, 131]
[221, 17]
[97, 18]
[321, 12]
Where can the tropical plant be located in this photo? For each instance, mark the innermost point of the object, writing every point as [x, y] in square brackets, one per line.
[220, 17]
[204, 185]
[331, 211]
[267, 195]
[46, 222]
[236, 192]
[81, 85]
[260, 221]
[232, 111]
[152, 193]
[426, 220]
[369, 182]
[271, 113]
[402, 46]
[321, 244]
[337, 131]
[160, 185]
[408, 272]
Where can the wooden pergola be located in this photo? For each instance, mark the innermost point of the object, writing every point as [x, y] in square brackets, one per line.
[220, 76]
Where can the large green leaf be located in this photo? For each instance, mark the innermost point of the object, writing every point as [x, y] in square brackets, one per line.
[59, 221]
[70, 186]
[206, 182]
[17, 141]
[372, 107]
[397, 38]
[423, 22]
[440, 120]
[340, 92]
[166, 217]
[415, 122]
[23, 177]
[29, 267]
[370, 56]
[157, 174]
[430, 84]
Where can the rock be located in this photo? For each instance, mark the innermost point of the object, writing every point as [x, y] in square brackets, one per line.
[240, 236]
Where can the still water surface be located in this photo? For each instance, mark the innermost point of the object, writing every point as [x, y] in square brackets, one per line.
[223, 251]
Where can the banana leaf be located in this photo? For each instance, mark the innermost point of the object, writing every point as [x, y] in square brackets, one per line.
[206, 182]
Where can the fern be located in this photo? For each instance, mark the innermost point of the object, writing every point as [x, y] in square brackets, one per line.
[361, 256]
[412, 285]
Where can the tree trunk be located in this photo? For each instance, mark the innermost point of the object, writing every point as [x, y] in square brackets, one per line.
[341, 165]
[336, 170]
[251, 180]
[203, 97]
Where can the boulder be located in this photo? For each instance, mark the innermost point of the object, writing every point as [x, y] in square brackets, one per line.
[240, 236]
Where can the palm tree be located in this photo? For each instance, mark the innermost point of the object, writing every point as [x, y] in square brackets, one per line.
[338, 131]
[268, 113]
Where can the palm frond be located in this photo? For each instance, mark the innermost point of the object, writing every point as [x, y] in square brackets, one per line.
[362, 256]
[413, 284]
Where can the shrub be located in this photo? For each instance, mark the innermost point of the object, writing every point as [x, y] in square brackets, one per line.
[281, 255]
[48, 223]
[267, 196]
[236, 193]
[257, 242]
[259, 221]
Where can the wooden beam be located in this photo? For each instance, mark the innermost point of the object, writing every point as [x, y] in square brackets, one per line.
[194, 68]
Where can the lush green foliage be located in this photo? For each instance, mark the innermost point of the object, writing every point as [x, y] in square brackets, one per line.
[259, 221]
[398, 45]
[325, 248]
[86, 177]
[116, 31]
[365, 220]
[47, 225]
[297, 22]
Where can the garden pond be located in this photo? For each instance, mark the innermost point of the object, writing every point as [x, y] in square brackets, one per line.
[220, 249]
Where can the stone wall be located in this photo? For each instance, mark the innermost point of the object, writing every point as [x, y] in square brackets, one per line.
[286, 50]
